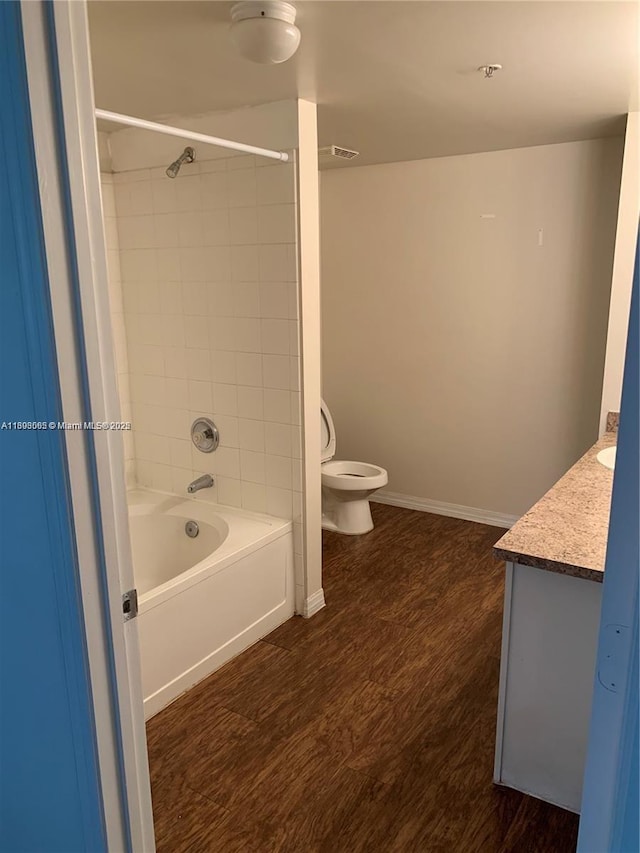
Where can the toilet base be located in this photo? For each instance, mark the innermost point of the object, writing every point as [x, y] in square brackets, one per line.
[352, 517]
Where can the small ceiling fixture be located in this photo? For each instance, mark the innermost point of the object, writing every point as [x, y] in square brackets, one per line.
[490, 70]
[265, 31]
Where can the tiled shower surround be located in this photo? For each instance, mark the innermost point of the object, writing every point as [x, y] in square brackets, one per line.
[210, 306]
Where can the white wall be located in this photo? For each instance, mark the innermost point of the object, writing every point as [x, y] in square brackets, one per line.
[458, 352]
[104, 154]
[622, 278]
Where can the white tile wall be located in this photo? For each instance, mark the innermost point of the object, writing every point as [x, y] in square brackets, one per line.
[210, 306]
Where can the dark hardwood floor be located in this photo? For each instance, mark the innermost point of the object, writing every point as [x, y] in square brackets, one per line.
[369, 727]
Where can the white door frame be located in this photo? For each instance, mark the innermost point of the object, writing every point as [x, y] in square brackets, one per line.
[86, 366]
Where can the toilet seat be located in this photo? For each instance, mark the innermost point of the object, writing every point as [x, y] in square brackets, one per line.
[347, 475]
[327, 433]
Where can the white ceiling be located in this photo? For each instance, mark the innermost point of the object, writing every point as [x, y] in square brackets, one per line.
[395, 80]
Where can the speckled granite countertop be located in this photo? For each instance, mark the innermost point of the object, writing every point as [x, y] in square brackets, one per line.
[566, 531]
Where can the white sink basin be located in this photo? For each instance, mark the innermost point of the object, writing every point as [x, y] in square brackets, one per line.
[607, 457]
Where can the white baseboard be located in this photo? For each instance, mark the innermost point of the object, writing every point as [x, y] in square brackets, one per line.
[467, 513]
[314, 603]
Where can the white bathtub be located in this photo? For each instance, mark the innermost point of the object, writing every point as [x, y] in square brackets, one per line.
[203, 600]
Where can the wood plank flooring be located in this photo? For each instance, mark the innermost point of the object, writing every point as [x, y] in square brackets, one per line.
[369, 727]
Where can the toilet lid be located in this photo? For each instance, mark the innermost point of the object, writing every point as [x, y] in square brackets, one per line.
[327, 434]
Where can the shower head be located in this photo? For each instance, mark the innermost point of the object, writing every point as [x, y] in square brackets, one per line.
[187, 156]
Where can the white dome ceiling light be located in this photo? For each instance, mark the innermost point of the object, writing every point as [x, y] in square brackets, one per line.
[265, 32]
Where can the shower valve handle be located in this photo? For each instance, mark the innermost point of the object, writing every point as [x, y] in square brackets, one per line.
[204, 435]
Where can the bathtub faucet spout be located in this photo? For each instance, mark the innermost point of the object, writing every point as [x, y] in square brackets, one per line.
[204, 482]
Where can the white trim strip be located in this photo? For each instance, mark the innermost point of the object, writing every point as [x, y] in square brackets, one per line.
[504, 666]
[121, 640]
[308, 246]
[61, 287]
[313, 603]
[131, 121]
[466, 513]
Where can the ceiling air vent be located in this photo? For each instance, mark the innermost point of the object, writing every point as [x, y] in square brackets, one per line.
[337, 151]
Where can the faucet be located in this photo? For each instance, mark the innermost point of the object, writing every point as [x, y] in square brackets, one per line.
[204, 482]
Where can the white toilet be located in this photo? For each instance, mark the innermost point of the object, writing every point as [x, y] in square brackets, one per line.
[346, 486]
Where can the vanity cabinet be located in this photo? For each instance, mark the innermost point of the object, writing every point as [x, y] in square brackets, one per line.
[549, 642]
[555, 560]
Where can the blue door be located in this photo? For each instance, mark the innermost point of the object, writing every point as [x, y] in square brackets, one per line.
[50, 798]
[610, 802]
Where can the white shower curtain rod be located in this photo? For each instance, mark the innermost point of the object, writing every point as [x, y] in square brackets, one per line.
[190, 134]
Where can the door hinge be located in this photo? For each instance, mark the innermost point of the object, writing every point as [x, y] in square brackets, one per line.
[130, 604]
[613, 661]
